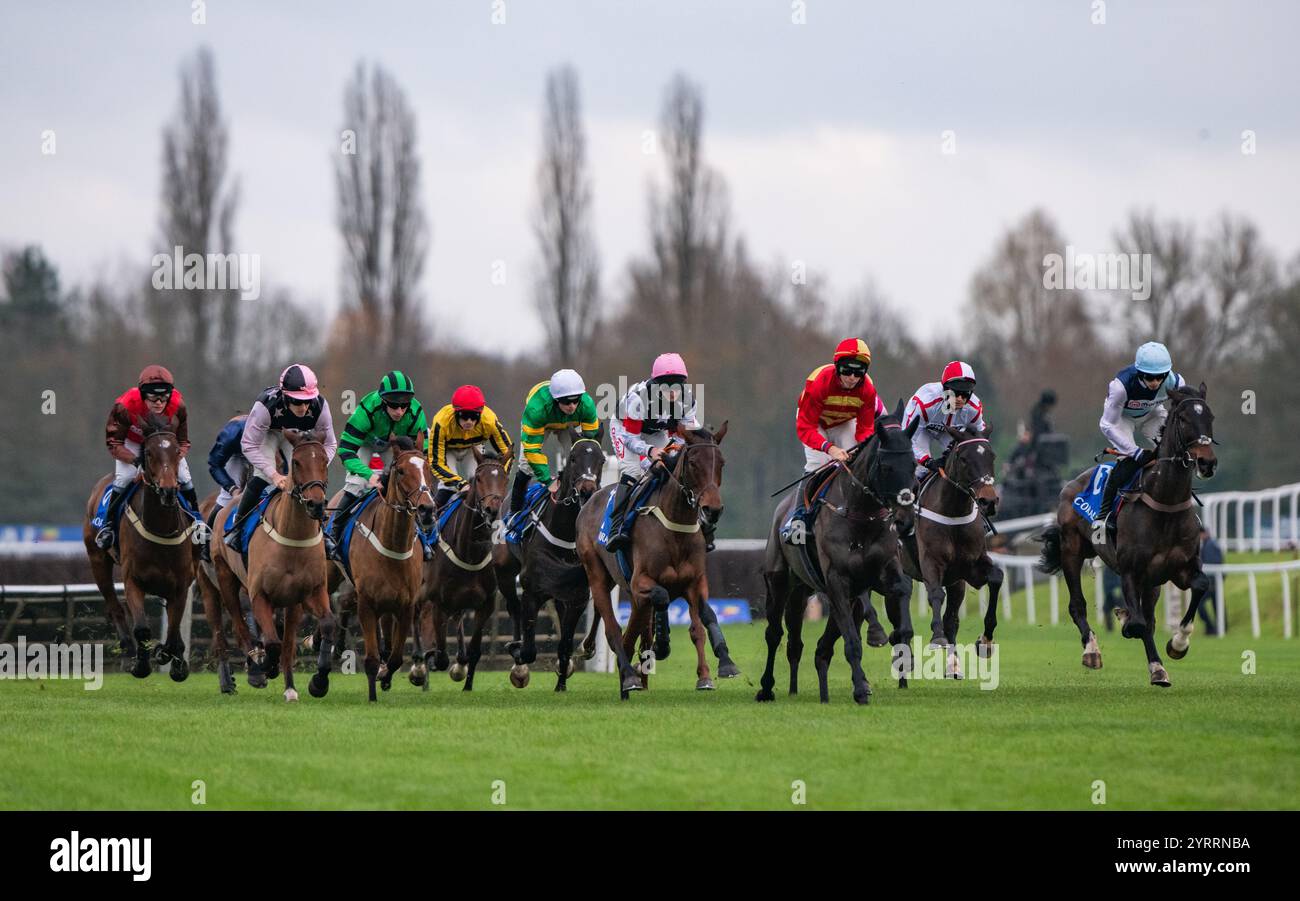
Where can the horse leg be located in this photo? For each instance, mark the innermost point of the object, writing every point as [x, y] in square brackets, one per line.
[795, 605]
[173, 649]
[101, 566]
[876, 637]
[697, 600]
[139, 628]
[218, 650]
[370, 634]
[419, 674]
[397, 650]
[228, 588]
[481, 617]
[1159, 675]
[264, 615]
[572, 612]
[933, 577]
[951, 620]
[1199, 583]
[637, 626]
[727, 668]
[533, 601]
[603, 612]
[1071, 570]
[1135, 623]
[897, 587]
[822, 656]
[837, 590]
[774, 607]
[993, 577]
[319, 605]
[292, 619]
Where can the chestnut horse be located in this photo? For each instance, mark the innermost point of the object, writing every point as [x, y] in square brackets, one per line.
[460, 578]
[1157, 536]
[286, 569]
[386, 560]
[668, 557]
[547, 565]
[154, 549]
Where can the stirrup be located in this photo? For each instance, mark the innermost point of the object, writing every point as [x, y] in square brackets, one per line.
[104, 538]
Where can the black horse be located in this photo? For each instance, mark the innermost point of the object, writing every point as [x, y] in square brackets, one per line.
[856, 548]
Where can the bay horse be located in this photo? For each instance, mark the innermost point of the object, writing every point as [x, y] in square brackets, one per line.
[857, 549]
[547, 565]
[286, 570]
[154, 550]
[668, 557]
[460, 578]
[1157, 536]
[952, 543]
[386, 559]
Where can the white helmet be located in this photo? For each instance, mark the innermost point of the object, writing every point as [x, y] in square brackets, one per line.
[567, 383]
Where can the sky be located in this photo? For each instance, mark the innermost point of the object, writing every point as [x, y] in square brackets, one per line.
[830, 134]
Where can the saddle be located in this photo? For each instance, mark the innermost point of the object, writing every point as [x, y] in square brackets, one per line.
[349, 527]
[249, 524]
[812, 494]
[520, 522]
[636, 504]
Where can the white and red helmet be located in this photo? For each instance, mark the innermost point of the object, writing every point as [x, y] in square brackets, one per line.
[958, 374]
[668, 367]
[298, 382]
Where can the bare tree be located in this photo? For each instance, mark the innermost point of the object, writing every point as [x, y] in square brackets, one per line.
[567, 291]
[198, 208]
[380, 216]
[689, 226]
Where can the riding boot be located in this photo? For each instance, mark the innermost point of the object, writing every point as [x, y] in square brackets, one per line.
[247, 504]
[104, 537]
[444, 495]
[191, 497]
[1119, 476]
[334, 534]
[518, 489]
[205, 549]
[618, 538]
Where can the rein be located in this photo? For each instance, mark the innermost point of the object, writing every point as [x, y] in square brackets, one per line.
[134, 519]
[296, 493]
[483, 521]
[968, 490]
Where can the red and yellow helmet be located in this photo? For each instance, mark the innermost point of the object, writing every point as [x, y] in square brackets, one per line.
[853, 349]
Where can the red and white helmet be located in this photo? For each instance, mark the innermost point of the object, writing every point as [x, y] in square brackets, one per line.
[959, 372]
[298, 382]
[668, 365]
[468, 397]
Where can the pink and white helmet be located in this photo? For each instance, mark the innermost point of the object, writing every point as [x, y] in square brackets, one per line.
[668, 364]
[299, 382]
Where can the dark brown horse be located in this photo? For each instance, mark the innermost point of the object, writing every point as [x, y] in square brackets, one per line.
[460, 578]
[1157, 535]
[154, 549]
[668, 558]
[952, 541]
[286, 569]
[857, 551]
[548, 567]
[386, 560]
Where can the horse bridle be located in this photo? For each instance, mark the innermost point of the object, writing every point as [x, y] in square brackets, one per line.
[968, 489]
[297, 491]
[485, 520]
[691, 498]
[867, 486]
[406, 504]
[573, 496]
[1183, 452]
[144, 457]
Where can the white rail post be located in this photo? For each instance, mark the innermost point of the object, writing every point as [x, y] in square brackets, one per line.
[1054, 593]
[1286, 603]
[1220, 609]
[1254, 604]
[1029, 595]
[1098, 589]
[1006, 598]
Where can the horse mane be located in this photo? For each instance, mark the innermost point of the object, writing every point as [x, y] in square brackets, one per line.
[403, 443]
[154, 423]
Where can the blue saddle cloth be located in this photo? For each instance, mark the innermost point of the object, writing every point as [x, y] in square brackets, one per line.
[249, 524]
[101, 511]
[520, 523]
[635, 505]
[1089, 500]
[805, 512]
[349, 527]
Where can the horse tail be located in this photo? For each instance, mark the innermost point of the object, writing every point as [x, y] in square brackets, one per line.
[1050, 561]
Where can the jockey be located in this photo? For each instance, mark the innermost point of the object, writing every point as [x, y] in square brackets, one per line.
[1135, 402]
[648, 415]
[368, 430]
[154, 394]
[838, 406]
[226, 464]
[558, 405]
[951, 401]
[295, 403]
[456, 431]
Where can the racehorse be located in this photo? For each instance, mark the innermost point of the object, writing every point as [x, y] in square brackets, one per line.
[856, 544]
[385, 560]
[154, 550]
[954, 505]
[668, 556]
[1157, 536]
[286, 569]
[460, 578]
[547, 564]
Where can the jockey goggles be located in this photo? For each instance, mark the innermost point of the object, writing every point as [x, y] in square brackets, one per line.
[568, 400]
[472, 415]
[851, 367]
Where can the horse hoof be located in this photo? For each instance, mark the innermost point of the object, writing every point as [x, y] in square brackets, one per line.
[1173, 652]
[588, 652]
[141, 669]
[309, 644]
[765, 694]
[570, 669]
[1160, 677]
[458, 671]
[290, 695]
[383, 672]
[418, 675]
[1133, 630]
[630, 683]
[318, 687]
[229, 689]
[728, 670]
[704, 685]
[902, 683]
[520, 675]
[560, 686]
[180, 670]
[984, 647]
[862, 698]
[876, 637]
[1092, 659]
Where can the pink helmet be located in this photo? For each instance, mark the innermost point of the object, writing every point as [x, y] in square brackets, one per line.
[299, 382]
[668, 364]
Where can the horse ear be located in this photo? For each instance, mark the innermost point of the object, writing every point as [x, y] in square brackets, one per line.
[478, 454]
[680, 431]
[913, 426]
[1202, 390]
[293, 436]
[722, 432]
[900, 409]
[955, 434]
[988, 430]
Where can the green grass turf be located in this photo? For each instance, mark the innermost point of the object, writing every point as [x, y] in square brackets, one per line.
[1217, 739]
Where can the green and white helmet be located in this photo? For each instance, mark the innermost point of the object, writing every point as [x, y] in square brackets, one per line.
[396, 386]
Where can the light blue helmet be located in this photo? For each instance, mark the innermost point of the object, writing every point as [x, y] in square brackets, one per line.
[1153, 359]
